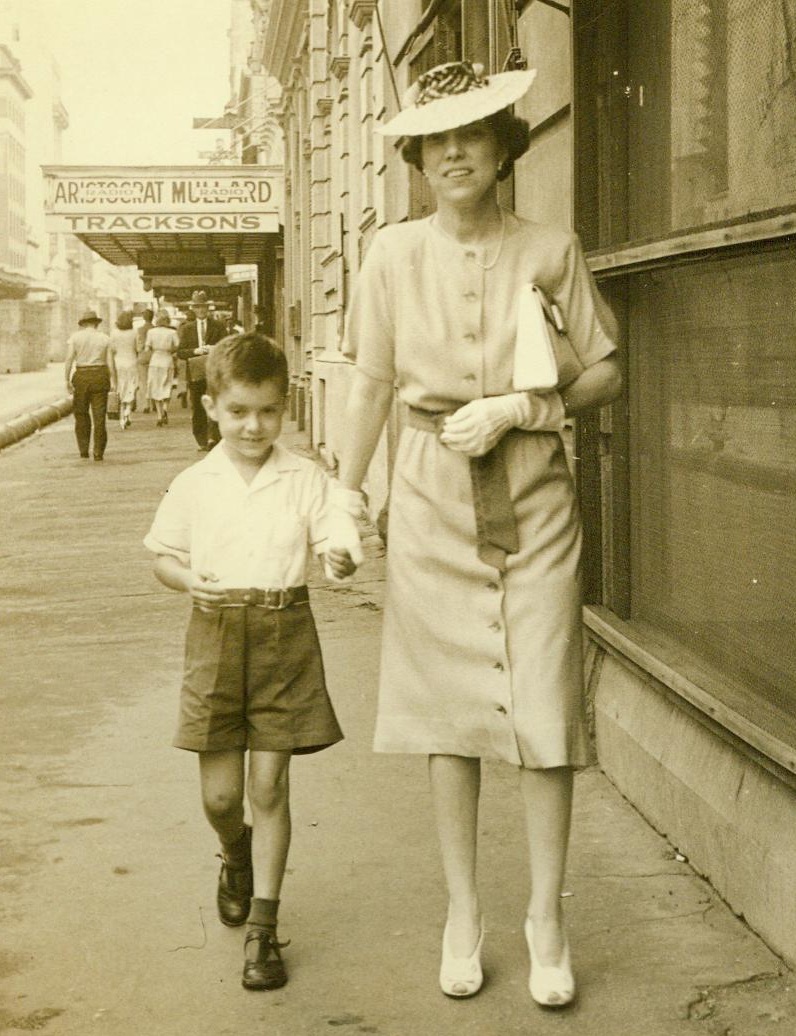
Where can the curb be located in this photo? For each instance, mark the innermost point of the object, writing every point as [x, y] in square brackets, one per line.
[21, 427]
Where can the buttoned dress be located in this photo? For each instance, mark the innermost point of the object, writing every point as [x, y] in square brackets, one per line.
[261, 536]
[475, 662]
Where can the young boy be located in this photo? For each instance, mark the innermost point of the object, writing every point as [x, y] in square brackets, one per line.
[235, 531]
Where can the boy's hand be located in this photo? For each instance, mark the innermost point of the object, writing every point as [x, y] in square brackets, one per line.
[205, 594]
[338, 564]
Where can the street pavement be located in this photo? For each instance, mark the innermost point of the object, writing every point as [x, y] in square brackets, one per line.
[107, 866]
[23, 393]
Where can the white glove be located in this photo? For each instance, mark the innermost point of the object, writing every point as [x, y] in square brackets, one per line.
[477, 426]
[345, 507]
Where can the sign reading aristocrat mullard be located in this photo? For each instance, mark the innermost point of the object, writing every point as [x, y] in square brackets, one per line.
[151, 200]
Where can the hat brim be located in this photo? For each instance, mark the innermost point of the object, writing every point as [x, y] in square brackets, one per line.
[445, 113]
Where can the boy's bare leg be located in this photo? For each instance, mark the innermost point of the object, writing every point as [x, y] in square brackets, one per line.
[270, 805]
[222, 780]
[221, 776]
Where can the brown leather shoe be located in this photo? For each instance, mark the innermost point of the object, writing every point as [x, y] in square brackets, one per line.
[263, 967]
[236, 886]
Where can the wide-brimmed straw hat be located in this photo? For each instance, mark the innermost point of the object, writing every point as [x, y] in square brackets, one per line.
[455, 94]
[89, 317]
[199, 298]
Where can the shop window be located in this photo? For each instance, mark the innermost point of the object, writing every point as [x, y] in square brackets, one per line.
[688, 107]
[713, 468]
[685, 119]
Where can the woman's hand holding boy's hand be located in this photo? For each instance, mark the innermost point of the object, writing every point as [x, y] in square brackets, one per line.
[344, 551]
[338, 565]
[206, 595]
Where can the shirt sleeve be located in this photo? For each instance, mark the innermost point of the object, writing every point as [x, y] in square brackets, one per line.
[318, 511]
[170, 533]
[590, 323]
[370, 333]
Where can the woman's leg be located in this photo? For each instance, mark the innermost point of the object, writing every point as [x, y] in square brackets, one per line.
[455, 787]
[269, 798]
[547, 795]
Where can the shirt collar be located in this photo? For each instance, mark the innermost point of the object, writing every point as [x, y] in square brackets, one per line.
[281, 460]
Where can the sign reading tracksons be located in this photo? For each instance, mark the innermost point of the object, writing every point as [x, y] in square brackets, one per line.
[167, 200]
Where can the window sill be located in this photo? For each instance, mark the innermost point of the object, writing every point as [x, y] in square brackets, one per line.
[645, 254]
[665, 661]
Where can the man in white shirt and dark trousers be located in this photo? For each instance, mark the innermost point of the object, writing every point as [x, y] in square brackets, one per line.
[196, 338]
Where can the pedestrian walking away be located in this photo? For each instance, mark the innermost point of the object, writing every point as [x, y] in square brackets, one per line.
[196, 338]
[143, 402]
[122, 349]
[481, 649]
[90, 375]
[236, 531]
[162, 344]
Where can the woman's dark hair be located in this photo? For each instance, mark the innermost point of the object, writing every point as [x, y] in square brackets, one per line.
[124, 321]
[248, 357]
[512, 133]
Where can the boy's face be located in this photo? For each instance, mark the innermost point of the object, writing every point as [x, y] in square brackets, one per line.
[249, 418]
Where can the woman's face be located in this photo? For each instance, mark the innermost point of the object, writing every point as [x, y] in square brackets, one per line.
[461, 164]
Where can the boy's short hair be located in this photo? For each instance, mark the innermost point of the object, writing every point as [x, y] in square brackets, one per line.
[248, 357]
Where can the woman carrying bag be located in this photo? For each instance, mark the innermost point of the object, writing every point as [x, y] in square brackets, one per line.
[481, 652]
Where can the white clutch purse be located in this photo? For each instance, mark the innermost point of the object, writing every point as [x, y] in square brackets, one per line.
[543, 355]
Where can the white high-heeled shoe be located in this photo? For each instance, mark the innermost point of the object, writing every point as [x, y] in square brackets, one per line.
[461, 976]
[551, 985]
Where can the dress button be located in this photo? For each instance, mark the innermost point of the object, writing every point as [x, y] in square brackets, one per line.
[492, 586]
[471, 296]
[470, 254]
[495, 627]
[469, 377]
[498, 666]
[469, 337]
[501, 709]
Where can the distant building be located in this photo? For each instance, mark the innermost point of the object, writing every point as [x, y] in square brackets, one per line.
[46, 280]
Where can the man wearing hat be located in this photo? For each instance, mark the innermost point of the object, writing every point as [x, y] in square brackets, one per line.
[196, 337]
[90, 374]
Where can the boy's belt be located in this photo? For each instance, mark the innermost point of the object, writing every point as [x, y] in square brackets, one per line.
[273, 600]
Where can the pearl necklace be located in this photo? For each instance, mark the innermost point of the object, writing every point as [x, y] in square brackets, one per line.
[492, 262]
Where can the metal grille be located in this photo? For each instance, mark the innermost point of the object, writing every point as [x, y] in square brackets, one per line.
[733, 108]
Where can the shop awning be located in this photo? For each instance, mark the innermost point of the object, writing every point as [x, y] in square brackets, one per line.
[189, 220]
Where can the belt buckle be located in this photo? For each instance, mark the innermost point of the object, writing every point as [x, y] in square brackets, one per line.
[281, 596]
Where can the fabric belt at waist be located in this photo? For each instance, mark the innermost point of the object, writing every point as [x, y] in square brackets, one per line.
[273, 600]
[495, 522]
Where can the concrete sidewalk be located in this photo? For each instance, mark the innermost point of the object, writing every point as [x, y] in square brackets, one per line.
[107, 869]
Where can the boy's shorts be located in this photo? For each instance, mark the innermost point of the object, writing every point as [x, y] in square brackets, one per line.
[254, 679]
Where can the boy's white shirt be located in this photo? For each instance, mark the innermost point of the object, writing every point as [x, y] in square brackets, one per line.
[258, 535]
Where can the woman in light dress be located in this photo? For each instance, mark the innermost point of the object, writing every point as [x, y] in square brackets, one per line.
[481, 652]
[122, 347]
[162, 340]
